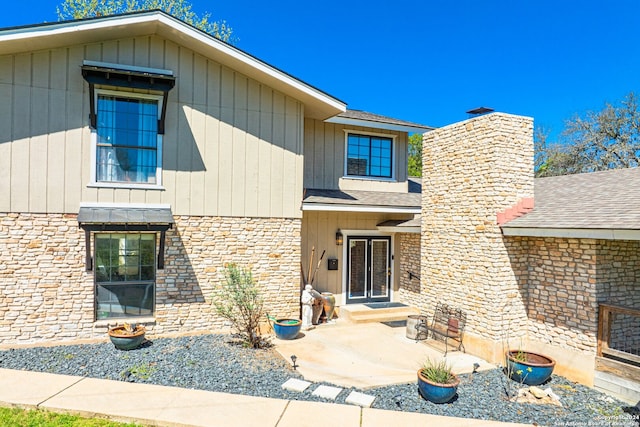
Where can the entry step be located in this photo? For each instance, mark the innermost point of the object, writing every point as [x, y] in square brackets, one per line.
[376, 312]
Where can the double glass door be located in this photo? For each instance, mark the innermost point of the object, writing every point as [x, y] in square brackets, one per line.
[369, 269]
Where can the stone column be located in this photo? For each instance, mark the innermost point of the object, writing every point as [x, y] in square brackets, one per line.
[472, 171]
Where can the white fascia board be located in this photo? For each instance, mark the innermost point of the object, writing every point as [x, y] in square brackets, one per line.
[251, 61]
[377, 125]
[358, 208]
[573, 233]
[76, 27]
[415, 230]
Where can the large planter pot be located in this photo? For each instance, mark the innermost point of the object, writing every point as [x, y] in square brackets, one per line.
[436, 392]
[529, 368]
[287, 329]
[123, 339]
[329, 303]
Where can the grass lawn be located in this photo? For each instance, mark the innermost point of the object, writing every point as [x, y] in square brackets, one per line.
[16, 417]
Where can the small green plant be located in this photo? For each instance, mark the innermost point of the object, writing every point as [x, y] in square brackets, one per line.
[437, 372]
[142, 371]
[519, 356]
[239, 301]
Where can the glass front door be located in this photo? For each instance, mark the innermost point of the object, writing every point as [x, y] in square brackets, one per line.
[369, 269]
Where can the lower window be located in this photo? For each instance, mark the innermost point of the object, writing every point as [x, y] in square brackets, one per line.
[125, 274]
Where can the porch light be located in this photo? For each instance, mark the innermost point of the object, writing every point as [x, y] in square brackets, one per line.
[339, 238]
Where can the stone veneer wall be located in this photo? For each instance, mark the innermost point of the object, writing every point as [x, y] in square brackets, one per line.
[559, 275]
[471, 171]
[46, 294]
[566, 279]
[409, 289]
[618, 283]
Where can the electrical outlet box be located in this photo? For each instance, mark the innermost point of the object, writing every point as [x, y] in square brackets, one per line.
[332, 264]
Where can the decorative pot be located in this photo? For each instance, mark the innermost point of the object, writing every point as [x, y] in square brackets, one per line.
[436, 392]
[329, 303]
[287, 329]
[317, 311]
[529, 368]
[124, 339]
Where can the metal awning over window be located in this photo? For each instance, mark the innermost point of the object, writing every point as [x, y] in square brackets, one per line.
[125, 219]
[102, 73]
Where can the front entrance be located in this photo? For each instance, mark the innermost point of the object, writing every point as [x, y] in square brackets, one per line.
[368, 269]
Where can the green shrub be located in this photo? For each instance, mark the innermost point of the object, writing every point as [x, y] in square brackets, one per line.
[239, 301]
[437, 372]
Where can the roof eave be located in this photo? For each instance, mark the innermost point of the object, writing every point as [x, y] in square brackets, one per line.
[318, 105]
[336, 207]
[573, 233]
[379, 125]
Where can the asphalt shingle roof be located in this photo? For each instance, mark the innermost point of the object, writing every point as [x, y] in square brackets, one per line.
[599, 200]
[411, 199]
[370, 117]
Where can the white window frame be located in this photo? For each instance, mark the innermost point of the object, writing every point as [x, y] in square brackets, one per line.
[94, 144]
[394, 154]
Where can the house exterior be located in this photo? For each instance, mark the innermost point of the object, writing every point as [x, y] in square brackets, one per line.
[139, 156]
[548, 264]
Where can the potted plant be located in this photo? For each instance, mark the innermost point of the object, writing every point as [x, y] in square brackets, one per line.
[287, 329]
[127, 336]
[527, 367]
[436, 382]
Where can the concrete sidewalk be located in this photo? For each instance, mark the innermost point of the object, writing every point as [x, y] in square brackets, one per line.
[172, 406]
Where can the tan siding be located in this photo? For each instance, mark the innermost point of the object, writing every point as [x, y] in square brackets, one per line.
[232, 147]
[319, 231]
[5, 136]
[325, 151]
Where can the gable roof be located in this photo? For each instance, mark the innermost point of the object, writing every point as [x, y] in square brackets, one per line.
[590, 205]
[318, 104]
[363, 118]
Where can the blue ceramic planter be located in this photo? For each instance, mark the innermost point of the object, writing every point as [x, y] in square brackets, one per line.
[534, 370]
[126, 341]
[287, 329]
[435, 392]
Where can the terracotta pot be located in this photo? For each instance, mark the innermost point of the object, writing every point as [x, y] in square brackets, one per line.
[329, 304]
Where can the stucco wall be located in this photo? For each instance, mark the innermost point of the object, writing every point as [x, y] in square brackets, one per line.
[46, 294]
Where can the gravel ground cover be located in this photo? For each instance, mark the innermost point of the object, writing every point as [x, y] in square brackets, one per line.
[218, 363]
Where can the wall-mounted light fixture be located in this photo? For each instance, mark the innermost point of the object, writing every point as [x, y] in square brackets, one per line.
[339, 239]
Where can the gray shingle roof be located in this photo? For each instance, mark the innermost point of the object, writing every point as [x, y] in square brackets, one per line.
[370, 117]
[599, 200]
[411, 199]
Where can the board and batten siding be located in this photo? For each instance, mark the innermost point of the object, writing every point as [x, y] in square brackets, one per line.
[324, 152]
[319, 231]
[232, 147]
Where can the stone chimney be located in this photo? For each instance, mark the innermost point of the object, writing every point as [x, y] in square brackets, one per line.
[473, 171]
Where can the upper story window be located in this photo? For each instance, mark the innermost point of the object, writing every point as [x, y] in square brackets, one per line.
[369, 156]
[127, 141]
[127, 116]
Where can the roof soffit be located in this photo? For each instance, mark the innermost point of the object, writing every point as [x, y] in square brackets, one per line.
[318, 105]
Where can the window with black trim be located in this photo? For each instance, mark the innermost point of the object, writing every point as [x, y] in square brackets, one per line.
[127, 140]
[369, 156]
[125, 274]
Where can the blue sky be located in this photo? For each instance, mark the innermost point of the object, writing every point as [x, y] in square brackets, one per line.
[429, 61]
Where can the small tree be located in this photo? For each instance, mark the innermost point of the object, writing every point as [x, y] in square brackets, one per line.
[415, 155]
[240, 302]
[181, 9]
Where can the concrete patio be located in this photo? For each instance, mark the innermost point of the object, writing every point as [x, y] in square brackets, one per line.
[366, 355]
